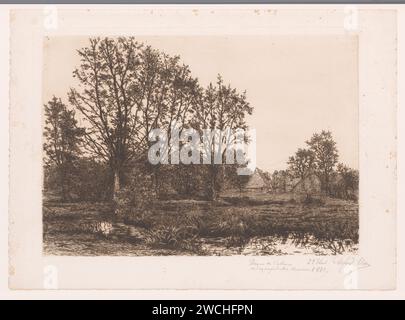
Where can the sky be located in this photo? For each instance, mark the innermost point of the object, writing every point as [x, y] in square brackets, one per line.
[297, 85]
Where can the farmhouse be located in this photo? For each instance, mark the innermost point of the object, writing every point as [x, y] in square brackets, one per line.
[257, 182]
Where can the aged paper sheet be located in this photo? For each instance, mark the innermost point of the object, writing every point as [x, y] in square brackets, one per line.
[318, 210]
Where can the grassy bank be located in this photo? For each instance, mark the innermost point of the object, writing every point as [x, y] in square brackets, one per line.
[253, 224]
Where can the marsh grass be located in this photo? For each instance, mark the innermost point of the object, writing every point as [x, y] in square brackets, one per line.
[188, 226]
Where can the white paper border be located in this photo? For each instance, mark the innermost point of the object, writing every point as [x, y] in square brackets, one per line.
[80, 263]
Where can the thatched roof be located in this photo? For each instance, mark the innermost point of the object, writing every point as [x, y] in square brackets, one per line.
[257, 180]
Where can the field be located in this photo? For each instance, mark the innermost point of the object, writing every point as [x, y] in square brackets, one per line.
[251, 224]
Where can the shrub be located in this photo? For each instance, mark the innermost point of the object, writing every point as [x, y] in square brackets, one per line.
[88, 180]
[135, 202]
[237, 226]
[175, 237]
[337, 237]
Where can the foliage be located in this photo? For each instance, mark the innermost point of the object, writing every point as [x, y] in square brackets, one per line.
[174, 237]
[61, 146]
[221, 107]
[337, 237]
[187, 226]
[92, 180]
[89, 180]
[136, 200]
[301, 163]
[189, 180]
[126, 90]
[325, 156]
[321, 159]
[193, 181]
[346, 183]
[280, 180]
[235, 180]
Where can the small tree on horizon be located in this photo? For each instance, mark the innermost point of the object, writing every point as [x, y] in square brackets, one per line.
[326, 157]
[301, 163]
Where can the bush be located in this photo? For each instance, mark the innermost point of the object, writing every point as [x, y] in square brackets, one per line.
[175, 237]
[234, 225]
[338, 236]
[93, 181]
[88, 180]
[135, 202]
[179, 231]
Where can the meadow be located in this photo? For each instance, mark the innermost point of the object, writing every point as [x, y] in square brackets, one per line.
[254, 223]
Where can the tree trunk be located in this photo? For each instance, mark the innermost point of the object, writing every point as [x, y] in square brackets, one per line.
[212, 194]
[212, 191]
[156, 178]
[327, 189]
[117, 184]
[63, 182]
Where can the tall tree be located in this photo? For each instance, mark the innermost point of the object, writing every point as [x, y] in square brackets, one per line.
[62, 142]
[222, 108]
[125, 91]
[106, 98]
[169, 102]
[301, 163]
[326, 156]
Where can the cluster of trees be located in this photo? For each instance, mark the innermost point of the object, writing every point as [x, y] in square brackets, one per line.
[320, 158]
[125, 90]
[67, 172]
